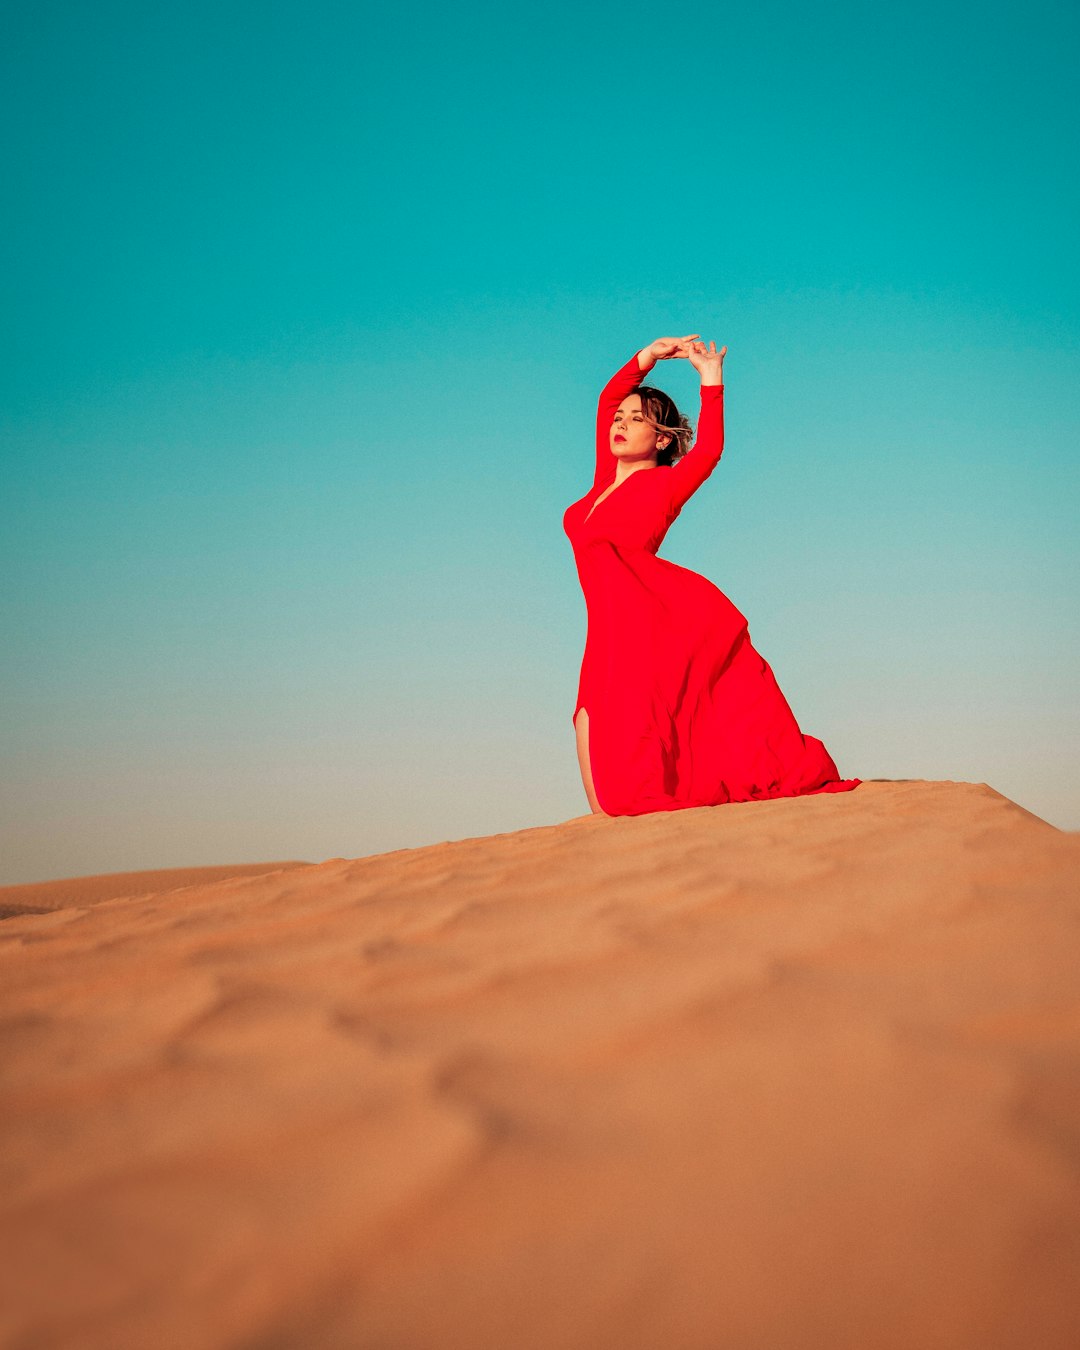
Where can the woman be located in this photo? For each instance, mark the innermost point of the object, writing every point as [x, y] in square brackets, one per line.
[675, 708]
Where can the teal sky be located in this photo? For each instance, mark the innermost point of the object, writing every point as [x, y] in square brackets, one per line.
[307, 308]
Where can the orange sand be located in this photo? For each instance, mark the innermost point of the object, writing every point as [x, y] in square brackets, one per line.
[770, 1076]
[76, 892]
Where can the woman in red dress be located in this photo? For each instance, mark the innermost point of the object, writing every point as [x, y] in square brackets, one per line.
[675, 708]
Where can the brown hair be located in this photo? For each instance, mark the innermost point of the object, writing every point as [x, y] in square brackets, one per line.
[665, 418]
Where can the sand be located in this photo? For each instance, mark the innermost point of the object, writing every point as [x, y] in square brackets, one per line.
[40, 897]
[784, 1074]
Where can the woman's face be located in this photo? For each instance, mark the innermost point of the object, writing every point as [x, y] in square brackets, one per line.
[631, 437]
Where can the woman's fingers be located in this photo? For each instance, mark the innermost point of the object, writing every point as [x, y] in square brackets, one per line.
[691, 348]
[678, 346]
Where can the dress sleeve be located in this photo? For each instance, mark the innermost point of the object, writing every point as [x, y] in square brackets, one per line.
[687, 474]
[623, 382]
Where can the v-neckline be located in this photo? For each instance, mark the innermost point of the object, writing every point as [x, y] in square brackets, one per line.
[610, 492]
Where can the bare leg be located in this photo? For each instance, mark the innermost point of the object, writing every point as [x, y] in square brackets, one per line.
[581, 727]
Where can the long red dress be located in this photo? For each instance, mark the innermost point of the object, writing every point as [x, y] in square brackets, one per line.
[682, 710]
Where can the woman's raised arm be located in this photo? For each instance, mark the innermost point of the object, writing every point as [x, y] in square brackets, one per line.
[616, 389]
[622, 383]
[687, 474]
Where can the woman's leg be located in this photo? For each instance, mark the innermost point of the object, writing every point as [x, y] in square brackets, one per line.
[581, 727]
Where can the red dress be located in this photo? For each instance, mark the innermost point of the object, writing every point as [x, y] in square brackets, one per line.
[682, 710]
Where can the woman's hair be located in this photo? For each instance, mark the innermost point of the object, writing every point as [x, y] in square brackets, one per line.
[662, 415]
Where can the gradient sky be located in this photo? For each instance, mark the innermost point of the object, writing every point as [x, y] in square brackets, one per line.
[307, 308]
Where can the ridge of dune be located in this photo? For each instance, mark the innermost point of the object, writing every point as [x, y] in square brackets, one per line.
[802, 1072]
[39, 897]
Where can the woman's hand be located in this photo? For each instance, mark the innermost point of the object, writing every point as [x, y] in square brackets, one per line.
[708, 363]
[663, 349]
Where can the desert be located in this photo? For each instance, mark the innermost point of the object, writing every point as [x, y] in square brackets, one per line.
[796, 1073]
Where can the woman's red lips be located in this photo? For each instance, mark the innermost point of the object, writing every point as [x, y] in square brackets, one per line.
[620, 438]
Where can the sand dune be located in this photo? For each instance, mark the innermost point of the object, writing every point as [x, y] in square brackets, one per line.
[39, 897]
[784, 1074]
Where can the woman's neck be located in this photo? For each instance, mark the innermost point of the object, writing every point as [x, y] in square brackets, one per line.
[624, 470]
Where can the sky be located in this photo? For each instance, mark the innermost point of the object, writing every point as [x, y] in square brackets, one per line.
[306, 311]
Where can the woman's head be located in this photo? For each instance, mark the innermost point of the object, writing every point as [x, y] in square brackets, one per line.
[647, 423]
